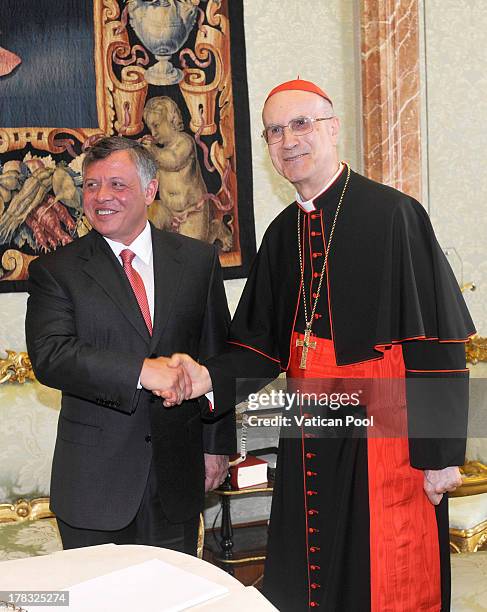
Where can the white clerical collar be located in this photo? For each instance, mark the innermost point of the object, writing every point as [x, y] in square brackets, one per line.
[309, 205]
[141, 246]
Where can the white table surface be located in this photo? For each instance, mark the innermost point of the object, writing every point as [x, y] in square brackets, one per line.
[66, 568]
[63, 569]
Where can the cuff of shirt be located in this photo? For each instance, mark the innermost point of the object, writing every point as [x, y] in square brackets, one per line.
[210, 398]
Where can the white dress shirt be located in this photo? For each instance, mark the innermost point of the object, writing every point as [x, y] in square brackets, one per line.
[142, 262]
[308, 205]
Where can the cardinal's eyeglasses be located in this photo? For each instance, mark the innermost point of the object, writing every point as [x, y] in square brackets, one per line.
[299, 126]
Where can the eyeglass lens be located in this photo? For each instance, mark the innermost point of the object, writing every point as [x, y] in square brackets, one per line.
[298, 126]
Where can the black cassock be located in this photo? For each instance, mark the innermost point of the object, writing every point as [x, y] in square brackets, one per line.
[388, 288]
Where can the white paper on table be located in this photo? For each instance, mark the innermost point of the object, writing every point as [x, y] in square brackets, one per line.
[152, 585]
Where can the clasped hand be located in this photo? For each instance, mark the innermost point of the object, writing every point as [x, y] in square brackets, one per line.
[437, 482]
[175, 379]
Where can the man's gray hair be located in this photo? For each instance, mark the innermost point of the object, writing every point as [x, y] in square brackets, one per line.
[142, 158]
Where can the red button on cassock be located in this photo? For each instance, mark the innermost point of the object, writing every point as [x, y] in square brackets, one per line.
[310, 455]
[315, 568]
[315, 585]
[314, 549]
[310, 473]
[314, 604]
[313, 512]
[310, 493]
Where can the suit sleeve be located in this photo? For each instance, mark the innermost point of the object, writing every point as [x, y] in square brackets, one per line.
[62, 361]
[437, 385]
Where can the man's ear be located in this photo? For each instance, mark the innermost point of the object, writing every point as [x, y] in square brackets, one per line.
[150, 191]
[335, 129]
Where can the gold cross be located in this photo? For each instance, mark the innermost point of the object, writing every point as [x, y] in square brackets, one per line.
[306, 344]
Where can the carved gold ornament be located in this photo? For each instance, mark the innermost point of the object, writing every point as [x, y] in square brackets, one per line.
[16, 367]
[24, 510]
[476, 349]
[474, 475]
[468, 540]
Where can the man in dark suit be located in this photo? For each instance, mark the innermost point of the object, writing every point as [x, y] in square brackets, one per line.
[102, 314]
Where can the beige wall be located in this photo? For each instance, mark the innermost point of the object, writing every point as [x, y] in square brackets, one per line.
[284, 38]
[455, 120]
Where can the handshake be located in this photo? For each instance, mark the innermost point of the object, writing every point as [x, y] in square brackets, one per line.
[175, 378]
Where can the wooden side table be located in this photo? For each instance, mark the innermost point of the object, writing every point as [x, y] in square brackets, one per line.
[226, 556]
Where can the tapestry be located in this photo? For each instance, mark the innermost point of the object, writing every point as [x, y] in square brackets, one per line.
[169, 73]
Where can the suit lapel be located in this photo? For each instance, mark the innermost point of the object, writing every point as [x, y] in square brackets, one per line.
[169, 266]
[102, 266]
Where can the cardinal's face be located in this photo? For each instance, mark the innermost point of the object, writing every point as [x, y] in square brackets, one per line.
[304, 160]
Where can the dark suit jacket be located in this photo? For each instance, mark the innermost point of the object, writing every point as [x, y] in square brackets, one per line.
[86, 336]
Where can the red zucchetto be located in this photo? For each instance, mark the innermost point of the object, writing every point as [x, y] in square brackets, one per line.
[299, 85]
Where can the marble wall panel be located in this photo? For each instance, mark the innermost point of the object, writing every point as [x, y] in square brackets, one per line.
[391, 93]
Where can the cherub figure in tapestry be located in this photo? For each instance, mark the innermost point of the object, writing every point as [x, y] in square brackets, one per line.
[184, 202]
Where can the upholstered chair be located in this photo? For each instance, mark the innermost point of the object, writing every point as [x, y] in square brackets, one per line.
[28, 418]
[468, 504]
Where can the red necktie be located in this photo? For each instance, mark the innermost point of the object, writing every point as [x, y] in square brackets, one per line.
[137, 285]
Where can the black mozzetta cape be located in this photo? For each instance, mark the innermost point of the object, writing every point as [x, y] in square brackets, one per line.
[389, 280]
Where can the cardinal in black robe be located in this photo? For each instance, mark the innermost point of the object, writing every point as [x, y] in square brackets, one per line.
[350, 286]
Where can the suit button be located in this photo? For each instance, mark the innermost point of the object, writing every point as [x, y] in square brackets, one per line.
[148, 439]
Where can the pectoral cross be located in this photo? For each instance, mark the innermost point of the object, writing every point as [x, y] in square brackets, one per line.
[306, 344]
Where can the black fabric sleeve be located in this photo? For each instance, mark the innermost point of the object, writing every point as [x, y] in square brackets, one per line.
[250, 358]
[219, 430]
[437, 385]
[255, 322]
[239, 371]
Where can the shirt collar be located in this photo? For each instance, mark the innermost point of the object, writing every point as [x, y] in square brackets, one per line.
[141, 246]
[309, 205]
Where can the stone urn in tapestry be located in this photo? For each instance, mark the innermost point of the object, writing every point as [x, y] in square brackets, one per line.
[163, 26]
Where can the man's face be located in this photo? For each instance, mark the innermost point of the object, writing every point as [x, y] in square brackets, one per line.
[305, 161]
[113, 199]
